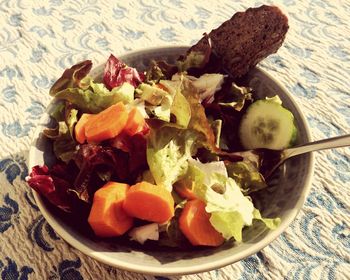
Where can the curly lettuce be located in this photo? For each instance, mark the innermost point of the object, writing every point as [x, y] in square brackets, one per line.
[230, 209]
[97, 97]
[168, 151]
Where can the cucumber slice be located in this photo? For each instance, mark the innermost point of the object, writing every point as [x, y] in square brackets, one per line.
[267, 124]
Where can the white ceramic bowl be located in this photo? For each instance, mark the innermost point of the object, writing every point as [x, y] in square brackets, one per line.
[284, 198]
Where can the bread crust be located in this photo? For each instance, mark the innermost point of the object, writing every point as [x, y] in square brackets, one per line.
[247, 38]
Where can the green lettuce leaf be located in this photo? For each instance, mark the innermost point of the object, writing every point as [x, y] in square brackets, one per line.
[170, 233]
[237, 97]
[228, 199]
[158, 100]
[206, 85]
[72, 77]
[199, 121]
[66, 117]
[123, 93]
[181, 110]
[271, 223]
[168, 151]
[151, 93]
[230, 209]
[57, 111]
[97, 97]
[246, 174]
[166, 103]
[197, 56]
[207, 172]
[275, 99]
[193, 59]
[229, 224]
[163, 111]
[62, 135]
[71, 120]
[64, 145]
[57, 131]
[159, 70]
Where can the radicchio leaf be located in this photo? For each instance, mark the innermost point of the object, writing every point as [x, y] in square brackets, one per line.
[117, 72]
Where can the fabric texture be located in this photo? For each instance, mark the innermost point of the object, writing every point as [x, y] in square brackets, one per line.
[39, 39]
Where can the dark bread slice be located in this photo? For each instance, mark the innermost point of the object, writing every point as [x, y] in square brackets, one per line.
[248, 37]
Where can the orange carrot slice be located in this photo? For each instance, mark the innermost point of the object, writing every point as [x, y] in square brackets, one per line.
[149, 202]
[184, 189]
[106, 124]
[107, 217]
[195, 225]
[162, 87]
[135, 123]
[79, 129]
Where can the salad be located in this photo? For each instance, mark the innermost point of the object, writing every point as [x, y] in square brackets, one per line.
[151, 155]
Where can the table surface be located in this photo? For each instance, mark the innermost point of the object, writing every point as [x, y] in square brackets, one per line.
[38, 41]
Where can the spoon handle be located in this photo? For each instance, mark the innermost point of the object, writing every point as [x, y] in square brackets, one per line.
[330, 143]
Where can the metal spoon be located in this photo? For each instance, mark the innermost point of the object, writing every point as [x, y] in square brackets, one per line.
[267, 160]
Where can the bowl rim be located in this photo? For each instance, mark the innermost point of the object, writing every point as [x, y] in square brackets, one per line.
[167, 270]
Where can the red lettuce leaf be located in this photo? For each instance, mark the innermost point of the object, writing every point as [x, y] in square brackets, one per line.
[137, 154]
[53, 184]
[120, 166]
[117, 72]
[69, 185]
[135, 146]
[90, 158]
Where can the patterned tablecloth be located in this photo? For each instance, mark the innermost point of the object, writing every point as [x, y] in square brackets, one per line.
[38, 39]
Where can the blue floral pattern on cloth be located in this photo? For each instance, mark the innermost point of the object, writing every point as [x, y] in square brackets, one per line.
[67, 270]
[8, 213]
[38, 40]
[10, 270]
[37, 232]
